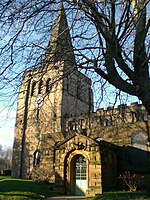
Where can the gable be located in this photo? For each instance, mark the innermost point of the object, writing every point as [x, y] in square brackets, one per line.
[77, 142]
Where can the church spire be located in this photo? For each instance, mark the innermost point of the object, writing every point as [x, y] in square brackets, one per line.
[60, 46]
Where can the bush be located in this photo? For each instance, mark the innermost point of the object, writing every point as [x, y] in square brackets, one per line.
[132, 181]
[41, 175]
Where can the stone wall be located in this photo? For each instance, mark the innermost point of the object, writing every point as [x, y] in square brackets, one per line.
[111, 126]
[110, 155]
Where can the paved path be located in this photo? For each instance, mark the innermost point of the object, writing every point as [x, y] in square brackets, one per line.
[68, 198]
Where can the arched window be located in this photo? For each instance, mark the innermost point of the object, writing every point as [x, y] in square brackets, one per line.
[72, 125]
[33, 88]
[139, 141]
[48, 85]
[107, 122]
[133, 117]
[100, 121]
[36, 161]
[145, 118]
[40, 87]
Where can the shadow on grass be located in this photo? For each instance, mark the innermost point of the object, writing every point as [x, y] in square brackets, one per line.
[23, 188]
[141, 195]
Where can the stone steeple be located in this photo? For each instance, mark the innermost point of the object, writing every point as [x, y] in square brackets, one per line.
[47, 96]
[60, 46]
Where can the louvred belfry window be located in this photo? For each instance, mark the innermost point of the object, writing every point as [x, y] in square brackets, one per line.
[40, 87]
[48, 85]
[33, 88]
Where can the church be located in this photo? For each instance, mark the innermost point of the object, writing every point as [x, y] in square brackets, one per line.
[58, 131]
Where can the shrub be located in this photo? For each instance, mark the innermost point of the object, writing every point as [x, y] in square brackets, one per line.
[41, 175]
[132, 181]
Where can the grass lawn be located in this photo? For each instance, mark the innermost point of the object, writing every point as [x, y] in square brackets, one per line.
[141, 195]
[19, 189]
[12, 189]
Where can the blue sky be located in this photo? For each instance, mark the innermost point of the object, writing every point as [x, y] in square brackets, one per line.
[7, 117]
[7, 122]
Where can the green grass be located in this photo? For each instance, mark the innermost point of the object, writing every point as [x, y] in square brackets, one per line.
[18, 189]
[141, 195]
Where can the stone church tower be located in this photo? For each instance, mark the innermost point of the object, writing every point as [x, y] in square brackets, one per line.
[58, 132]
[46, 97]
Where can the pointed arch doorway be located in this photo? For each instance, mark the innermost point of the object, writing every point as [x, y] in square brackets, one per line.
[78, 175]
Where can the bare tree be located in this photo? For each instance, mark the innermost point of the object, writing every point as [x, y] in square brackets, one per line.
[121, 39]
[110, 38]
[5, 158]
